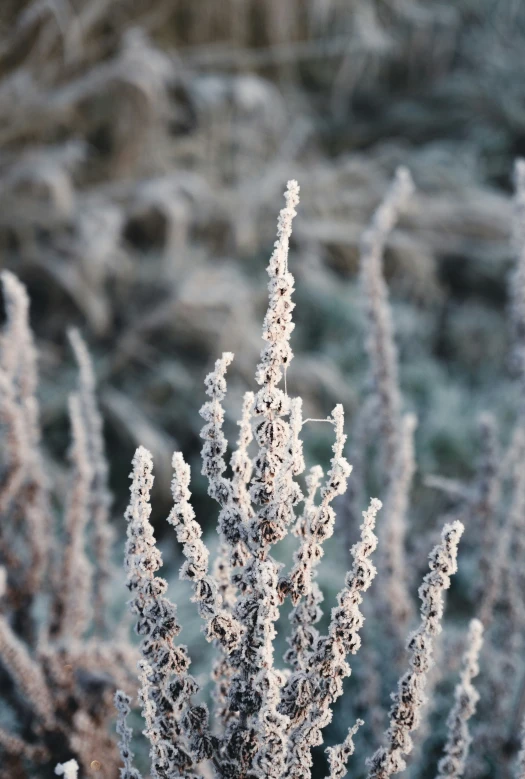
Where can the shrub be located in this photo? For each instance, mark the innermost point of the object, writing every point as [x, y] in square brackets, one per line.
[61, 661]
[269, 719]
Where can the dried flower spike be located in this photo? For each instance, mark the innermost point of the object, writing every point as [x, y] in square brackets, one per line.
[466, 697]
[410, 697]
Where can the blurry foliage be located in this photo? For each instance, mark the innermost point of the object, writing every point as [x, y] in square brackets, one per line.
[143, 146]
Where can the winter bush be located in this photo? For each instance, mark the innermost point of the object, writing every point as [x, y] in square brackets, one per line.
[66, 672]
[271, 718]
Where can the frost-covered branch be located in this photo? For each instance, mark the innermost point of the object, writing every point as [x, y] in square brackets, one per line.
[122, 705]
[23, 483]
[308, 695]
[72, 605]
[338, 755]
[466, 697]
[100, 497]
[220, 625]
[255, 689]
[395, 567]
[25, 672]
[409, 698]
[381, 346]
[166, 687]
[307, 612]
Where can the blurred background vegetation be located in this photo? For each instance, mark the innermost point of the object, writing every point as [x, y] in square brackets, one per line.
[144, 149]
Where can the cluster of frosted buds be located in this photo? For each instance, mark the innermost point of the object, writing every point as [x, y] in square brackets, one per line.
[166, 688]
[307, 612]
[409, 698]
[232, 495]
[214, 448]
[308, 695]
[235, 511]
[314, 527]
[236, 555]
[272, 725]
[380, 339]
[466, 697]
[158, 745]
[271, 403]
[233, 557]
[241, 466]
[220, 625]
[122, 705]
[256, 686]
[318, 524]
[18, 388]
[293, 463]
[338, 755]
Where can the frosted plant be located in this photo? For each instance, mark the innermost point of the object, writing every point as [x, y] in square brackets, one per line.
[26, 672]
[166, 687]
[395, 430]
[466, 697]
[85, 72]
[484, 506]
[23, 485]
[410, 696]
[100, 494]
[122, 705]
[269, 724]
[219, 623]
[72, 603]
[309, 695]
[511, 533]
[51, 651]
[268, 720]
[338, 755]
[380, 334]
[307, 610]
[394, 563]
